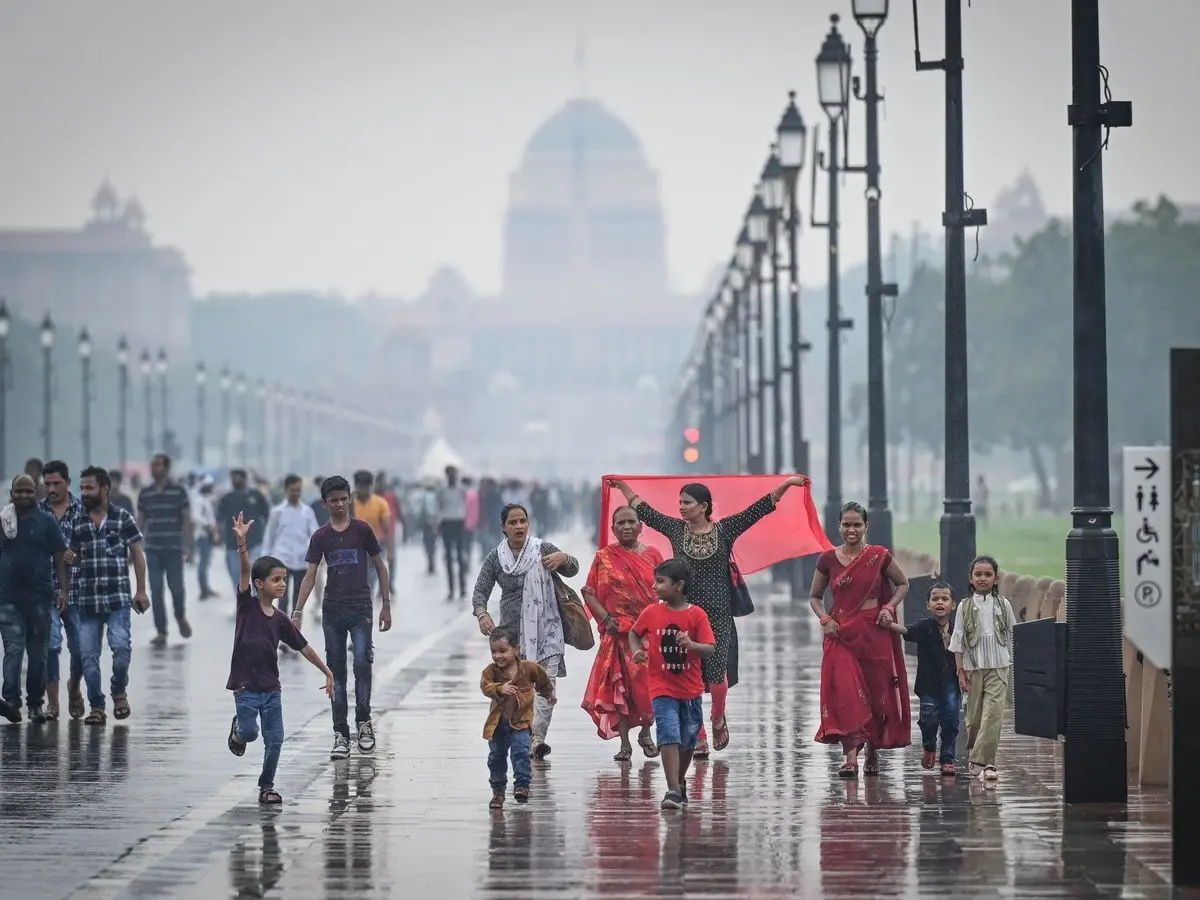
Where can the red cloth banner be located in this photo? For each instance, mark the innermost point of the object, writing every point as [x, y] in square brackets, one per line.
[793, 530]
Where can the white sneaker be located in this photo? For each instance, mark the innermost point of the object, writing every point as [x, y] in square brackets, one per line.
[366, 738]
[341, 748]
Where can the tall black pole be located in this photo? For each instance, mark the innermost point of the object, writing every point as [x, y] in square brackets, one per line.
[797, 346]
[760, 352]
[201, 413]
[225, 460]
[777, 367]
[745, 316]
[707, 414]
[148, 401]
[1094, 764]
[85, 364]
[835, 324]
[877, 472]
[4, 405]
[47, 400]
[166, 403]
[123, 405]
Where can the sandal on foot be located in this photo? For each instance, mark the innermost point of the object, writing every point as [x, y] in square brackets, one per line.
[872, 765]
[497, 801]
[721, 733]
[649, 747]
[928, 759]
[96, 717]
[848, 771]
[236, 745]
[121, 708]
[701, 751]
[990, 773]
[51, 715]
[625, 754]
[948, 769]
[74, 700]
[269, 795]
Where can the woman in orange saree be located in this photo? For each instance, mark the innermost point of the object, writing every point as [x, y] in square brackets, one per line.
[864, 685]
[619, 586]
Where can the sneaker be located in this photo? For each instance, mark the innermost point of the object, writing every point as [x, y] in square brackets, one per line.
[10, 712]
[497, 801]
[341, 747]
[683, 793]
[928, 758]
[521, 794]
[366, 738]
[185, 631]
[672, 800]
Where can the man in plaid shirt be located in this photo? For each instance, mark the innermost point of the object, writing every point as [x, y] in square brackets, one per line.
[104, 538]
[63, 505]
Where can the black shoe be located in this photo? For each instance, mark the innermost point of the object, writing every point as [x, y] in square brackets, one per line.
[541, 750]
[37, 714]
[683, 793]
[672, 800]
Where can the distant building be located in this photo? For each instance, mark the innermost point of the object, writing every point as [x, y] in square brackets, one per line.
[563, 373]
[107, 275]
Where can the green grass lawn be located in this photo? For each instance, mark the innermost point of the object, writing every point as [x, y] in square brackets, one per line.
[1027, 546]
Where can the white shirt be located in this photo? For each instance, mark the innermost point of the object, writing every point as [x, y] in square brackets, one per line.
[288, 532]
[203, 512]
[989, 652]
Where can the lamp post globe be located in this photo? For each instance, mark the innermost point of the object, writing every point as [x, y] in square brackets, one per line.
[870, 15]
[757, 220]
[146, 366]
[85, 344]
[744, 255]
[241, 383]
[833, 71]
[47, 335]
[122, 352]
[5, 320]
[161, 366]
[201, 374]
[773, 187]
[793, 138]
[226, 379]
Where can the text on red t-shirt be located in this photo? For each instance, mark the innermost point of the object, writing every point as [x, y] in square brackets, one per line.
[673, 672]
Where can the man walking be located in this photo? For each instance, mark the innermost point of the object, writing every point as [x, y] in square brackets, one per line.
[104, 538]
[452, 524]
[61, 504]
[253, 506]
[204, 525]
[165, 521]
[291, 527]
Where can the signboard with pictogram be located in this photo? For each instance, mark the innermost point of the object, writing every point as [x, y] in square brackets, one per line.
[1146, 552]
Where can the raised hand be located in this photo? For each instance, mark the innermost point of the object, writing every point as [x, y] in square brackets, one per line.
[241, 527]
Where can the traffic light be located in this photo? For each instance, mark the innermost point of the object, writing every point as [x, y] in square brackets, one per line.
[691, 449]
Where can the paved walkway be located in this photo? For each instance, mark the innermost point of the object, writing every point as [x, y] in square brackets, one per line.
[160, 809]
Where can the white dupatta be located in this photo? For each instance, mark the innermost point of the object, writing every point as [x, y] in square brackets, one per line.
[541, 625]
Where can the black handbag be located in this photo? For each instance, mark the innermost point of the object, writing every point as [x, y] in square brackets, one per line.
[740, 602]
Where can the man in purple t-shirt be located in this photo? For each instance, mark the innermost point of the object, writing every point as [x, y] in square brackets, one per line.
[254, 669]
[348, 547]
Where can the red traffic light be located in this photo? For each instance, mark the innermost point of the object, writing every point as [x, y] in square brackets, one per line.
[691, 435]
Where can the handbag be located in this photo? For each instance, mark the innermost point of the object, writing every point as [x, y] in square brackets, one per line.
[740, 602]
[577, 628]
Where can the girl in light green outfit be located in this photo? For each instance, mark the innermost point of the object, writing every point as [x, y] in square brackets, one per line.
[982, 646]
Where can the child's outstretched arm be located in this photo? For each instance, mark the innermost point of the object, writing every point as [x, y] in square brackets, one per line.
[897, 628]
[241, 528]
[312, 656]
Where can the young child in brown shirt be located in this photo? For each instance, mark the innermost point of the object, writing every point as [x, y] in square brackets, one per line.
[511, 683]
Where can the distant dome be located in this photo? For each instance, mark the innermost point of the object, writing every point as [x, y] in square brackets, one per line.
[588, 126]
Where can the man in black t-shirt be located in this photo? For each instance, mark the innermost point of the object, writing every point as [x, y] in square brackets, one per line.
[253, 506]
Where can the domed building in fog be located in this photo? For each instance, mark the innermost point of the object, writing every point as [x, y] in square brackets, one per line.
[562, 373]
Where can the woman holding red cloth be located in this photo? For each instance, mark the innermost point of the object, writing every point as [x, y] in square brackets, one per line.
[864, 685]
[619, 586]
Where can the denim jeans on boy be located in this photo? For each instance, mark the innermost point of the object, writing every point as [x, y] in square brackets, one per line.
[59, 624]
[507, 742]
[25, 629]
[354, 622]
[678, 721]
[167, 564]
[254, 707]
[943, 709]
[89, 628]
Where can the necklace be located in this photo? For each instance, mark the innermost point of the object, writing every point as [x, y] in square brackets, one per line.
[700, 544]
[845, 558]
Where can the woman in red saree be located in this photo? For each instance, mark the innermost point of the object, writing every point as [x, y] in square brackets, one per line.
[619, 586]
[864, 685]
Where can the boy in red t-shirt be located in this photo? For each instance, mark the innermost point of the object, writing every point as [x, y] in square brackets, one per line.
[674, 636]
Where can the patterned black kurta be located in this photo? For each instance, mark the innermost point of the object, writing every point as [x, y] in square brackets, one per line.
[708, 555]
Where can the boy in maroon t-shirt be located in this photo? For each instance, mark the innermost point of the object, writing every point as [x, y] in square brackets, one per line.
[674, 636]
[254, 669]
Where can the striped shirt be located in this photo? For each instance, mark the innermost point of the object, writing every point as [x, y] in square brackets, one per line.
[164, 510]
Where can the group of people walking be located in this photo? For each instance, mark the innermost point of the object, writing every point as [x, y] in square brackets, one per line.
[667, 636]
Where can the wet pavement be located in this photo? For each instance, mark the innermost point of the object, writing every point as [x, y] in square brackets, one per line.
[161, 809]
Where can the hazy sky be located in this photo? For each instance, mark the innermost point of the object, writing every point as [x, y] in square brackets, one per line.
[358, 146]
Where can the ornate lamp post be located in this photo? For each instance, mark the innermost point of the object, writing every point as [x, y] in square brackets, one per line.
[47, 341]
[226, 384]
[773, 195]
[744, 281]
[833, 89]
[260, 392]
[240, 387]
[201, 410]
[85, 367]
[757, 225]
[5, 326]
[161, 368]
[147, 369]
[123, 401]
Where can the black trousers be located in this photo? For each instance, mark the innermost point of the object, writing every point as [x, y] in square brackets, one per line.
[454, 535]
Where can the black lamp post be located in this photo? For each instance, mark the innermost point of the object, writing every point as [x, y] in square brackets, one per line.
[774, 197]
[47, 340]
[85, 370]
[870, 15]
[226, 385]
[276, 456]
[793, 137]
[833, 88]
[123, 401]
[744, 255]
[201, 410]
[245, 443]
[161, 367]
[260, 393]
[147, 369]
[5, 326]
[757, 226]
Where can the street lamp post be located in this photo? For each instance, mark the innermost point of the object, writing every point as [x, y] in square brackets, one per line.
[166, 402]
[201, 410]
[47, 340]
[260, 392]
[792, 141]
[147, 369]
[773, 193]
[123, 401]
[85, 369]
[757, 224]
[241, 392]
[226, 383]
[5, 326]
[744, 255]
[870, 15]
[833, 88]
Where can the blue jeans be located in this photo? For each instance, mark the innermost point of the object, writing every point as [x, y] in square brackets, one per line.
[254, 707]
[678, 721]
[234, 565]
[506, 742]
[25, 629]
[166, 564]
[90, 627]
[943, 709]
[204, 550]
[354, 623]
[57, 625]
